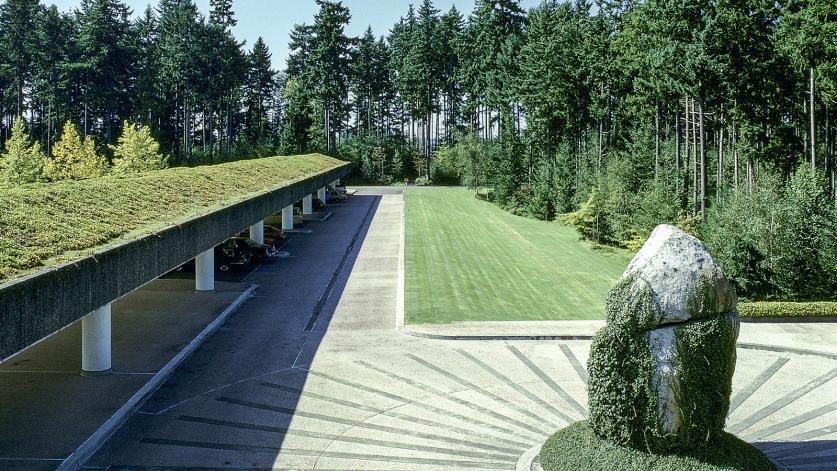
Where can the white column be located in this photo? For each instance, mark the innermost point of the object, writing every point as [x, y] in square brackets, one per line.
[96, 341]
[257, 232]
[288, 218]
[205, 271]
[321, 194]
[307, 204]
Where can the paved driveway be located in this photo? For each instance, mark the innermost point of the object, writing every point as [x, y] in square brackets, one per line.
[312, 374]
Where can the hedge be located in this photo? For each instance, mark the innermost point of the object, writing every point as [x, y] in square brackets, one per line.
[42, 225]
[787, 309]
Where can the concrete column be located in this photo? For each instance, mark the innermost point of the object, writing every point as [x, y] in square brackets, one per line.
[205, 271]
[96, 341]
[321, 194]
[307, 204]
[288, 218]
[257, 232]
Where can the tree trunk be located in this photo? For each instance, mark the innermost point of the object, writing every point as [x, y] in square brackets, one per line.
[735, 157]
[703, 175]
[677, 152]
[813, 130]
[656, 140]
[719, 179]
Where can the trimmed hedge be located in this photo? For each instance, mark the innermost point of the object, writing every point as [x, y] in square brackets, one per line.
[48, 224]
[787, 309]
[577, 448]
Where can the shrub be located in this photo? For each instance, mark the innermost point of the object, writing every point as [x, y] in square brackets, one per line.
[779, 241]
[137, 151]
[787, 309]
[22, 163]
[589, 220]
[74, 159]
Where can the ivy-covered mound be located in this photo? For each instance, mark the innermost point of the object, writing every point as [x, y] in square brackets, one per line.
[578, 448]
[660, 371]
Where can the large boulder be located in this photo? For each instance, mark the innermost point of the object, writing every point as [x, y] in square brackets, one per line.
[661, 369]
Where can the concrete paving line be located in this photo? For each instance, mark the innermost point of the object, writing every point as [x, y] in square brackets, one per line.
[88, 449]
[399, 293]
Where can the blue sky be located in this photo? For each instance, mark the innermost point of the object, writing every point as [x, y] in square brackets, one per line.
[273, 19]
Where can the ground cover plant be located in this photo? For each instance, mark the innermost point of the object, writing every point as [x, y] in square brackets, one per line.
[46, 223]
[468, 260]
[578, 448]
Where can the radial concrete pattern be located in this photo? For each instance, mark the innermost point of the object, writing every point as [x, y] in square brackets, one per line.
[312, 374]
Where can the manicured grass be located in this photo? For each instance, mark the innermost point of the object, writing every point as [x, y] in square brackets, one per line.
[577, 448]
[43, 225]
[468, 260]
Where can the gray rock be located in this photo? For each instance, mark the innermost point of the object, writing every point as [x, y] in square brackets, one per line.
[685, 281]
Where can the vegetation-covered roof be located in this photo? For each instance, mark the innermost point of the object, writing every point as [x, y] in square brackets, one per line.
[42, 225]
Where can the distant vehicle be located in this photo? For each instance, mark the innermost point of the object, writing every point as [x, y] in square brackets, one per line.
[276, 219]
[274, 236]
[257, 251]
[232, 253]
[316, 204]
[335, 196]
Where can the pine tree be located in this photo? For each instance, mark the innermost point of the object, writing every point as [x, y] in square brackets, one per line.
[108, 53]
[221, 13]
[330, 66]
[260, 85]
[18, 42]
[22, 163]
[74, 159]
[137, 151]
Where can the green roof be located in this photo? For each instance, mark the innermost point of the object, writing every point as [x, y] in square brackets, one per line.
[44, 225]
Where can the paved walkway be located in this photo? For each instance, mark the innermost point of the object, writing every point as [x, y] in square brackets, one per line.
[312, 373]
[47, 409]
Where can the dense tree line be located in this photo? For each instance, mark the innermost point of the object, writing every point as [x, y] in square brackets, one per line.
[621, 115]
[185, 77]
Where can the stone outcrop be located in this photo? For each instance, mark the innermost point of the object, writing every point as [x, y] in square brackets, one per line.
[661, 370]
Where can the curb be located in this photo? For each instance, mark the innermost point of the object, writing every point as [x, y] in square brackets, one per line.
[86, 450]
[425, 335]
[325, 216]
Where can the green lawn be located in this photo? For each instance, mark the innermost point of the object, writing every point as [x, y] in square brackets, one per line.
[468, 260]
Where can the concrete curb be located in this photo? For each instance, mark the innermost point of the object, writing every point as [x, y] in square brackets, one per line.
[399, 294]
[526, 460]
[325, 216]
[434, 336]
[83, 453]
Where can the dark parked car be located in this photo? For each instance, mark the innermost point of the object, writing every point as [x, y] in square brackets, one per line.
[273, 236]
[232, 253]
[316, 204]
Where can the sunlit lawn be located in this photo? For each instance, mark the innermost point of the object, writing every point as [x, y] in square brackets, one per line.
[468, 260]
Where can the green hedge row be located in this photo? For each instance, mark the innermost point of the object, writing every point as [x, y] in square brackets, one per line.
[787, 309]
[47, 224]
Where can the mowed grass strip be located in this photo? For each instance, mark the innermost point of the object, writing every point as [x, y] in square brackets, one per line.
[468, 260]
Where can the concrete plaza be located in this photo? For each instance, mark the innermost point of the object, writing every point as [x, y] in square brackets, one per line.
[313, 373]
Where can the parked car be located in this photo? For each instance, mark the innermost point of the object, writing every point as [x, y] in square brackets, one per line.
[274, 236]
[257, 250]
[232, 253]
[335, 196]
[276, 219]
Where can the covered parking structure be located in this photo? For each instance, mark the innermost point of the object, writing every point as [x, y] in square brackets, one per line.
[35, 306]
